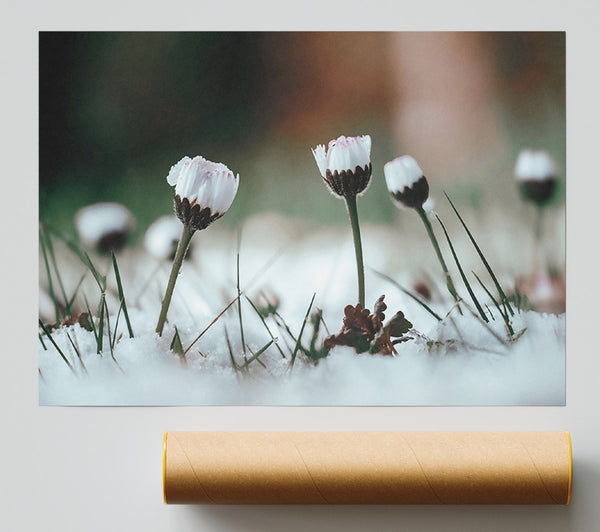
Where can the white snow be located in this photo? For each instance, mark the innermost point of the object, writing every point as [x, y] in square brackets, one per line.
[466, 362]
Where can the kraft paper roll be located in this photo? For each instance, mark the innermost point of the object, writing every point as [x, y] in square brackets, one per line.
[367, 468]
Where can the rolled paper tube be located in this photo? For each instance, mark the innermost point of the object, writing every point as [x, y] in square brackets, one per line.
[367, 467]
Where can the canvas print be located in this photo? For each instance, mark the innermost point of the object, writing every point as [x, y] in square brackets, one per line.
[302, 218]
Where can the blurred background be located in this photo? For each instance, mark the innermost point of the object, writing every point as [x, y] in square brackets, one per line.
[118, 109]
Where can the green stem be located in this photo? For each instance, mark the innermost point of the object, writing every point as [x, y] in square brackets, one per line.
[438, 252]
[353, 214]
[182, 247]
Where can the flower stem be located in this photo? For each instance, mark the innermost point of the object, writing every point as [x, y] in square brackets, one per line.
[438, 252]
[353, 214]
[182, 247]
[538, 250]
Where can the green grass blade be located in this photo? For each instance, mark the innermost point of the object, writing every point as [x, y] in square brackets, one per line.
[49, 336]
[83, 257]
[483, 259]
[49, 275]
[240, 303]
[407, 292]
[76, 351]
[110, 339]
[302, 331]
[100, 279]
[176, 345]
[282, 325]
[42, 342]
[100, 314]
[91, 318]
[121, 294]
[504, 314]
[258, 353]
[50, 248]
[265, 324]
[233, 362]
[114, 337]
[75, 292]
[462, 274]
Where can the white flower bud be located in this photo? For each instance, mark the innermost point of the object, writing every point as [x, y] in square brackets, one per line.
[162, 237]
[345, 165]
[536, 173]
[406, 182]
[104, 226]
[204, 190]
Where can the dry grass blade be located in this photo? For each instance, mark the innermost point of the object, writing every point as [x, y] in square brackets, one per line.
[213, 322]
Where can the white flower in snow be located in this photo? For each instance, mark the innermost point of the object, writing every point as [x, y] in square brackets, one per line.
[104, 226]
[536, 173]
[203, 190]
[162, 237]
[346, 164]
[406, 182]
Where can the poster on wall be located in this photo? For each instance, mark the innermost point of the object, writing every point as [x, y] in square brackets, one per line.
[302, 218]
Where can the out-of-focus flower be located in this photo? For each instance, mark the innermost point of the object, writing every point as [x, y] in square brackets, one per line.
[267, 302]
[203, 190]
[345, 165]
[46, 307]
[406, 182]
[162, 237]
[104, 226]
[536, 173]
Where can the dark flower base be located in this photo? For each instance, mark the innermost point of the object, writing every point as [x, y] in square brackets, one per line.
[113, 241]
[415, 195]
[346, 183]
[193, 216]
[539, 192]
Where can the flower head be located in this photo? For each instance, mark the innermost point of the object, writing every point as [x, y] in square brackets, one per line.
[406, 182]
[346, 164]
[104, 226]
[203, 190]
[162, 236]
[536, 173]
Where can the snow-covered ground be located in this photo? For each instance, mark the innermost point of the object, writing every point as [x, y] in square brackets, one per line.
[458, 361]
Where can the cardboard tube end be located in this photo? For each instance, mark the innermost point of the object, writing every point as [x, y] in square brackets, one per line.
[164, 467]
[570, 467]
